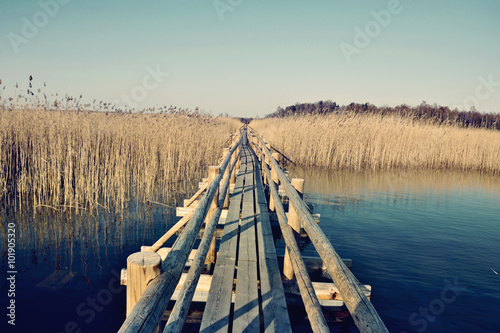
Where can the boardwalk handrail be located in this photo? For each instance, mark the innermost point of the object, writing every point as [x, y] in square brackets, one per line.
[364, 314]
[163, 239]
[181, 307]
[147, 312]
[311, 302]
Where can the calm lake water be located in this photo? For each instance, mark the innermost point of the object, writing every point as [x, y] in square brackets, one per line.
[427, 243]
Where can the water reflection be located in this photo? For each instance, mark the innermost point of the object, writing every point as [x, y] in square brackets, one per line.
[407, 232]
[64, 257]
[399, 187]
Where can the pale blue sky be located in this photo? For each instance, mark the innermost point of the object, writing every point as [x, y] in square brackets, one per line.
[260, 55]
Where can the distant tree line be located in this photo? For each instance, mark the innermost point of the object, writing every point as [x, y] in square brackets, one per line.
[435, 114]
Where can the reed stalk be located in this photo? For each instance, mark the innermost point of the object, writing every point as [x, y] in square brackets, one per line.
[377, 142]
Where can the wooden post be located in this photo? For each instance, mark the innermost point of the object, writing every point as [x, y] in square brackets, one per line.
[238, 163]
[233, 173]
[213, 171]
[262, 160]
[256, 141]
[294, 222]
[142, 267]
[225, 151]
[266, 160]
[275, 179]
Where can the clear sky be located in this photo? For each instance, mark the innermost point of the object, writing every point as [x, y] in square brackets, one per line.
[247, 57]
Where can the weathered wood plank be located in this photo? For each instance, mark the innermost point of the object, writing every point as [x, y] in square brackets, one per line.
[274, 309]
[218, 307]
[246, 309]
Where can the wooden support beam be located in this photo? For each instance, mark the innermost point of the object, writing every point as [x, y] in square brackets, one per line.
[294, 222]
[323, 290]
[191, 283]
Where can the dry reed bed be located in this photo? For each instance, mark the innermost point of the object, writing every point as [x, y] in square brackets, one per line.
[375, 142]
[62, 159]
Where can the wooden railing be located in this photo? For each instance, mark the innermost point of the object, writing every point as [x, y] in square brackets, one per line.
[364, 314]
[147, 312]
[311, 302]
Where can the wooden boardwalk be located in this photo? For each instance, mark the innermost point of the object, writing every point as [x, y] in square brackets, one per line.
[246, 291]
[247, 255]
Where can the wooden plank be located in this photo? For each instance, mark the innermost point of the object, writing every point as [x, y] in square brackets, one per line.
[164, 251]
[189, 203]
[316, 263]
[274, 309]
[324, 290]
[183, 211]
[312, 263]
[246, 307]
[217, 310]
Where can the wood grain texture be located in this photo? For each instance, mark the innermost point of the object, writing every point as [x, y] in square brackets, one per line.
[218, 307]
[274, 308]
[246, 307]
[142, 267]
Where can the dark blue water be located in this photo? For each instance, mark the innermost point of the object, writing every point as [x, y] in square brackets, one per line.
[68, 266]
[428, 243]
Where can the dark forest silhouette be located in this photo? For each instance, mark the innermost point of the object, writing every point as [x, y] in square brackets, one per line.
[435, 114]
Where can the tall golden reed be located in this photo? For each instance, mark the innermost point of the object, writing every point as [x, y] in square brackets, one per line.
[375, 142]
[68, 159]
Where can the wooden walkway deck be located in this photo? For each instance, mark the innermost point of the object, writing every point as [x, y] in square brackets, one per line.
[245, 293]
[247, 263]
